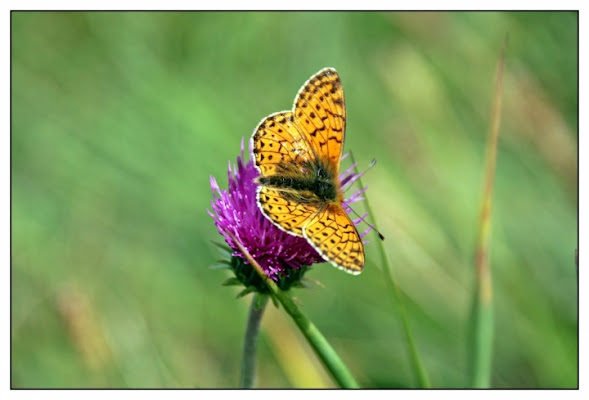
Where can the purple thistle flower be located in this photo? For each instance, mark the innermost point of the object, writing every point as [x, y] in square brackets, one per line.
[235, 210]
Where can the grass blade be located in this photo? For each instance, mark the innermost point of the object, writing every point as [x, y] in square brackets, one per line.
[418, 369]
[482, 322]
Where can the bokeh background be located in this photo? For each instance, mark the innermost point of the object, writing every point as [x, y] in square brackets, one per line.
[119, 120]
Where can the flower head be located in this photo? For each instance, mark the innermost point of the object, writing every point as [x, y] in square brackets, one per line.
[235, 210]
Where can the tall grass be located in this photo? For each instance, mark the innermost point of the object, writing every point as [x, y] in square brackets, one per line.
[482, 323]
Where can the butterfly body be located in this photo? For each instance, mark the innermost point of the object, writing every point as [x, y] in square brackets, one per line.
[315, 185]
[298, 156]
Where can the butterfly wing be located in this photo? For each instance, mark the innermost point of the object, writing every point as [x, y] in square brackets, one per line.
[333, 234]
[320, 111]
[279, 145]
[289, 215]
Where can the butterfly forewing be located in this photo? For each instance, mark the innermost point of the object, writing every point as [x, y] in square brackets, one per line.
[279, 141]
[321, 111]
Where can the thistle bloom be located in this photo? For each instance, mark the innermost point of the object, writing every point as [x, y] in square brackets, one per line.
[236, 210]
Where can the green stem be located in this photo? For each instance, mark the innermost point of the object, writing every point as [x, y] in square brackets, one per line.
[416, 363]
[323, 349]
[482, 332]
[330, 359]
[248, 364]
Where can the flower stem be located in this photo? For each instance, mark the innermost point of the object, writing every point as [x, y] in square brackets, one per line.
[326, 353]
[418, 368]
[248, 364]
[332, 362]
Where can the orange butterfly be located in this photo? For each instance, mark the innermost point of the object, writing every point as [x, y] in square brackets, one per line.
[298, 156]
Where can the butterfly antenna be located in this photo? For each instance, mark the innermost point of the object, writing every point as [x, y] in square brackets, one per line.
[363, 219]
[354, 179]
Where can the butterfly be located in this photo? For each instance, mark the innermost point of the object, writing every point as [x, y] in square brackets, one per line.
[298, 154]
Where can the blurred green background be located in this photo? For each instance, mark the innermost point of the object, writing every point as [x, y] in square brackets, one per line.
[119, 120]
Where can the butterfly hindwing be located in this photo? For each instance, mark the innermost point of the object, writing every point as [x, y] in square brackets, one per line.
[289, 215]
[333, 234]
